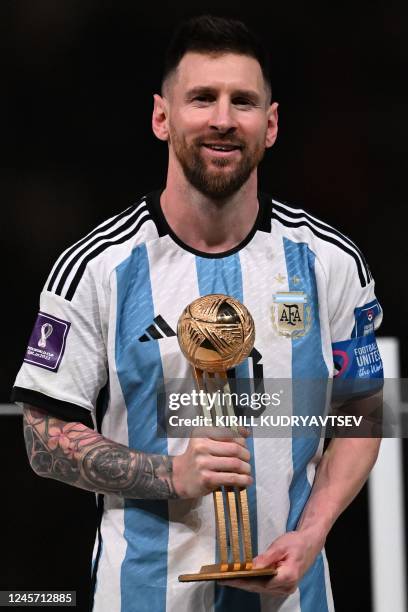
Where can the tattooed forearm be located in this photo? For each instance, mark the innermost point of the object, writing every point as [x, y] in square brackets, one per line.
[112, 467]
[77, 455]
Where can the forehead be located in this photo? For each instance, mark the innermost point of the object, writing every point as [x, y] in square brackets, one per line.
[221, 71]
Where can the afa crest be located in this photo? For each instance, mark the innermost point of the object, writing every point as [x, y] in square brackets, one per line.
[291, 313]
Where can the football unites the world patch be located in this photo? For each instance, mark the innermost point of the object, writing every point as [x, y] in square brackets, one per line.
[291, 313]
[47, 342]
[357, 358]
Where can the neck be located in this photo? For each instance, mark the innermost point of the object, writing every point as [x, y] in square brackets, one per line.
[210, 226]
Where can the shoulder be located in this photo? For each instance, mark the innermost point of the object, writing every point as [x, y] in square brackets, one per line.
[333, 248]
[102, 249]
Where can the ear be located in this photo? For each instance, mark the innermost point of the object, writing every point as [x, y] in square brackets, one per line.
[272, 130]
[160, 117]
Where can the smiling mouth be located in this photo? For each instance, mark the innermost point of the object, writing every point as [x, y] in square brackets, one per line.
[226, 148]
[222, 151]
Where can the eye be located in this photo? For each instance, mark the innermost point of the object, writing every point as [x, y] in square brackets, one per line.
[202, 98]
[242, 102]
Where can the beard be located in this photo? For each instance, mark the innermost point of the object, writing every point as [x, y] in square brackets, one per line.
[211, 177]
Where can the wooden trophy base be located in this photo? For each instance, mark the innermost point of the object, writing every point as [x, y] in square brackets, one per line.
[217, 572]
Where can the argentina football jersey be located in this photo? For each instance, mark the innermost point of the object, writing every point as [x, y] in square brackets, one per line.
[108, 321]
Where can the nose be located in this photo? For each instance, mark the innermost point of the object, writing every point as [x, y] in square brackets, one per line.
[222, 118]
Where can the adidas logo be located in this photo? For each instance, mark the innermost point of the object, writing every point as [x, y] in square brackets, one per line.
[158, 330]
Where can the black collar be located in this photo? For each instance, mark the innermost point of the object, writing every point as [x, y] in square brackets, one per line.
[262, 223]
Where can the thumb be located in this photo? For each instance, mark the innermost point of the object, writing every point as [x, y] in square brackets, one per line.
[268, 558]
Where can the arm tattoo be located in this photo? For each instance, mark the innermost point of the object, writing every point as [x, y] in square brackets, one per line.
[77, 455]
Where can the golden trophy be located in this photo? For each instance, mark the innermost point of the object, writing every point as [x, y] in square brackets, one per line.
[216, 332]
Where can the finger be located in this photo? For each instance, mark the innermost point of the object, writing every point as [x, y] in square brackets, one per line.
[203, 432]
[228, 449]
[226, 464]
[228, 434]
[207, 447]
[275, 554]
[225, 438]
[244, 432]
[214, 480]
[224, 434]
[269, 558]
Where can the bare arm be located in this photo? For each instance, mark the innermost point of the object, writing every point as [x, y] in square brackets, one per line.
[344, 468]
[84, 458]
[342, 471]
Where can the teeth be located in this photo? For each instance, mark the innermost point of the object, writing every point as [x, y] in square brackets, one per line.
[218, 148]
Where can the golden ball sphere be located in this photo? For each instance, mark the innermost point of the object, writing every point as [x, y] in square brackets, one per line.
[216, 332]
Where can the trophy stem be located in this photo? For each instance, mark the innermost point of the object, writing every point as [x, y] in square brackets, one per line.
[220, 524]
[233, 525]
[245, 525]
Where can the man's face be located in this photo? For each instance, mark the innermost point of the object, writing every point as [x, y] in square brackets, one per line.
[219, 120]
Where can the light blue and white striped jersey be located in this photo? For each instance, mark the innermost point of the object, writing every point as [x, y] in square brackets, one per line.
[107, 321]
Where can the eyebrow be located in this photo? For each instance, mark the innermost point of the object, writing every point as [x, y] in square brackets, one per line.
[244, 93]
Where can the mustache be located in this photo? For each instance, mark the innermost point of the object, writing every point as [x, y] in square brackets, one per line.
[220, 142]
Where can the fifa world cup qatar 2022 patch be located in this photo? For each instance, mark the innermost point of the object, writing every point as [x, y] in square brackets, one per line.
[291, 313]
[47, 342]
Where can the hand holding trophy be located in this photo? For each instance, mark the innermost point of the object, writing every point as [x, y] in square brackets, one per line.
[216, 332]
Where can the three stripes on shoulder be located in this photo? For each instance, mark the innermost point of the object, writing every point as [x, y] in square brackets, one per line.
[297, 217]
[70, 267]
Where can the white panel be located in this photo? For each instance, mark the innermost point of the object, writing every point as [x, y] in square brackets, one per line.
[386, 510]
[114, 427]
[191, 542]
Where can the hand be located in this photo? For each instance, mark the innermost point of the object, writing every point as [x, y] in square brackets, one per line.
[293, 554]
[210, 462]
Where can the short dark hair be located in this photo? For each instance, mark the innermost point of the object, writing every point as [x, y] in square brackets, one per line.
[212, 34]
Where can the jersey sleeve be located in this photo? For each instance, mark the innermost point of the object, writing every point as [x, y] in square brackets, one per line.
[65, 364]
[355, 315]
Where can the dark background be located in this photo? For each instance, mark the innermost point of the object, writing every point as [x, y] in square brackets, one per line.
[77, 83]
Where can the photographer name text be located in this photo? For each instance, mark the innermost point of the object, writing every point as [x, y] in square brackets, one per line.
[266, 421]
